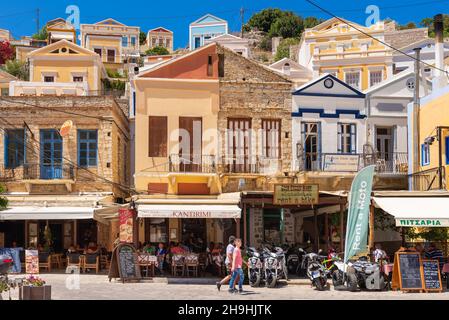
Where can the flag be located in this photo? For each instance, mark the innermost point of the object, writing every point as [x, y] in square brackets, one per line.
[358, 213]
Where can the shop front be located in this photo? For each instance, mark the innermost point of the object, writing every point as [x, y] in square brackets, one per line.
[192, 222]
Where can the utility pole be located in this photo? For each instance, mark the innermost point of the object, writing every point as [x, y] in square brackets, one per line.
[416, 106]
[242, 16]
[37, 21]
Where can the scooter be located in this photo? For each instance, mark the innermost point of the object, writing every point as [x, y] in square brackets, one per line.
[274, 266]
[316, 271]
[255, 267]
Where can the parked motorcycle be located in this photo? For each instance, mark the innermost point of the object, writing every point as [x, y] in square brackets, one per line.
[368, 275]
[316, 271]
[293, 260]
[274, 266]
[255, 267]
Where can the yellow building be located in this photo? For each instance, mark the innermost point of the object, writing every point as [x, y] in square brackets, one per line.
[160, 37]
[61, 68]
[337, 48]
[115, 42]
[59, 29]
[5, 79]
[5, 35]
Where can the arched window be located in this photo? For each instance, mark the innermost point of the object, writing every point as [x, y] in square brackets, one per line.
[286, 69]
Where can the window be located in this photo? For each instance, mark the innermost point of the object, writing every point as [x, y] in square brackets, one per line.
[14, 148]
[153, 42]
[271, 138]
[221, 62]
[346, 138]
[311, 145]
[157, 137]
[111, 55]
[87, 148]
[272, 225]
[161, 42]
[210, 70]
[98, 51]
[197, 42]
[78, 79]
[133, 41]
[124, 41]
[4, 92]
[239, 145]
[167, 43]
[375, 77]
[49, 79]
[286, 69]
[425, 154]
[353, 79]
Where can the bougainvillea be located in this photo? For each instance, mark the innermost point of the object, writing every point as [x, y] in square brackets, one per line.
[6, 51]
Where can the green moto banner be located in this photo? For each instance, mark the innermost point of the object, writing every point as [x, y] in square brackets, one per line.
[358, 213]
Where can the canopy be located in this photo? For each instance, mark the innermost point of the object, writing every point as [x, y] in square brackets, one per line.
[416, 211]
[55, 213]
[188, 211]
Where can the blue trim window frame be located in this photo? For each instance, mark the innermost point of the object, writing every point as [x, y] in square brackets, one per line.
[346, 138]
[124, 41]
[425, 154]
[446, 142]
[14, 148]
[87, 148]
[133, 41]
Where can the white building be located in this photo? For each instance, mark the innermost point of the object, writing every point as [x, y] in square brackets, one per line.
[292, 70]
[328, 119]
[234, 43]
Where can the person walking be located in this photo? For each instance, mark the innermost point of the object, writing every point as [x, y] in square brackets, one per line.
[228, 262]
[237, 267]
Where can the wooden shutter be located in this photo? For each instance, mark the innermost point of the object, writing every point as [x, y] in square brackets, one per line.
[271, 139]
[157, 146]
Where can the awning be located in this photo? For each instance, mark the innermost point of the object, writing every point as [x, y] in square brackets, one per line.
[188, 211]
[416, 211]
[57, 213]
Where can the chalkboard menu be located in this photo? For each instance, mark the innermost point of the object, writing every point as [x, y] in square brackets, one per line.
[410, 271]
[126, 262]
[432, 278]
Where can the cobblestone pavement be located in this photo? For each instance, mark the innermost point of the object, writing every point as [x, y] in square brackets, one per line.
[99, 287]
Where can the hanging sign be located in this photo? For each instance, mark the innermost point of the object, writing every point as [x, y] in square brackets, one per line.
[295, 194]
[126, 222]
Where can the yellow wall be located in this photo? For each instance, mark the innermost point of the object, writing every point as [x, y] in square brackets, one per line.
[106, 44]
[174, 99]
[365, 70]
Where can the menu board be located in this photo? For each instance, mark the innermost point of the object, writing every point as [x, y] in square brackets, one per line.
[410, 271]
[32, 261]
[126, 262]
[431, 273]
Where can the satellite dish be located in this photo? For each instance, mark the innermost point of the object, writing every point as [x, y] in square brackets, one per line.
[65, 128]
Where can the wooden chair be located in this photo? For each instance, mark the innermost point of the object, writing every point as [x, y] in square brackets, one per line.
[74, 260]
[191, 264]
[105, 263]
[202, 261]
[177, 264]
[91, 261]
[147, 261]
[22, 260]
[45, 260]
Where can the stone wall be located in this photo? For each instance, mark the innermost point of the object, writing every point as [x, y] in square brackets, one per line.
[402, 38]
[84, 112]
[289, 227]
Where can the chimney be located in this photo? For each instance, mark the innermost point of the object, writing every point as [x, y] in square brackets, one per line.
[440, 80]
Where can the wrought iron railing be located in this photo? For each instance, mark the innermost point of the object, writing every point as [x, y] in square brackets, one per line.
[33, 171]
[431, 179]
[192, 163]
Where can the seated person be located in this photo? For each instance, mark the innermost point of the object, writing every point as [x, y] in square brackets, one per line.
[434, 253]
[160, 254]
[216, 250]
[92, 248]
[72, 249]
[177, 249]
[378, 253]
[149, 248]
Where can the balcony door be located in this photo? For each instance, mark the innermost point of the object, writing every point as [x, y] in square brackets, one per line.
[190, 140]
[239, 145]
[51, 154]
[384, 146]
[311, 137]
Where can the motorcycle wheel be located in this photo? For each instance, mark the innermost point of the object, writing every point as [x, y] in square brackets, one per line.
[319, 284]
[337, 278]
[352, 282]
[270, 281]
[254, 281]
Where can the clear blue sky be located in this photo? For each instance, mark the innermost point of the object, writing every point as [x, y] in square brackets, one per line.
[19, 16]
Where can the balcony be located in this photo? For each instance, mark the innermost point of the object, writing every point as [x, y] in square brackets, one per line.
[251, 165]
[432, 179]
[192, 164]
[27, 88]
[37, 172]
[386, 163]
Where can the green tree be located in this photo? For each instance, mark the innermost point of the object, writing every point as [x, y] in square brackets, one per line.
[42, 34]
[157, 51]
[3, 200]
[289, 25]
[310, 22]
[428, 23]
[283, 50]
[142, 38]
[18, 69]
[263, 20]
[409, 25]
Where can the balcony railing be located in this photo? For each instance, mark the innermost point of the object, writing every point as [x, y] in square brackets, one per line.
[251, 164]
[390, 162]
[29, 88]
[432, 179]
[35, 171]
[192, 163]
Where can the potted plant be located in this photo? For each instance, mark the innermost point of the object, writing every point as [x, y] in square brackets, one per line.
[34, 288]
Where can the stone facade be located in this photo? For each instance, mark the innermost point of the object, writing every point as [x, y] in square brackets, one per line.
[250, 90]
[112, 171]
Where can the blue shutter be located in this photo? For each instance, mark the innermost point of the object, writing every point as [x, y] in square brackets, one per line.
[6, 149]
[339, 137]
[319, 143]
[353, 138]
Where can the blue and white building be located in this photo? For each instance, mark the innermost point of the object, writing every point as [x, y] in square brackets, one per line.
[205, 28]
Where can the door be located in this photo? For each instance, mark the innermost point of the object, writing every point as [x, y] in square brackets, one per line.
[55, 236]
[190, 140]
[197, 42]
[312, 146]
[384, 146]
[194, 234]
[51, 155]
[239, 146]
